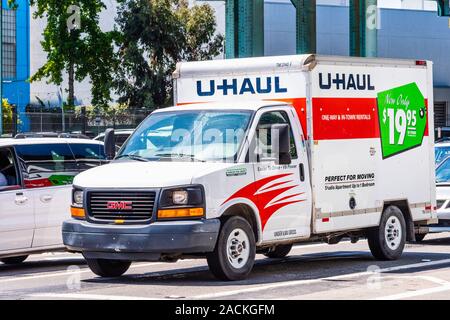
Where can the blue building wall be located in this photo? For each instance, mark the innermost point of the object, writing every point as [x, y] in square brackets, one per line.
[17, 90]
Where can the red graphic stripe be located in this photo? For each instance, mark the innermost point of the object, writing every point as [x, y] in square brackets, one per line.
[291, 196]
[275, 185]
[262, 197]
[347, 118]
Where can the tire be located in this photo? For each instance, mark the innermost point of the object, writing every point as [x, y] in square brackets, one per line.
[420, 237]
[387, 241]
[14, 260]
[108, 268]
[234, 255]
[279, 251]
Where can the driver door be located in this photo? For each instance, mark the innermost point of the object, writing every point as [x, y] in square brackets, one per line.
[284, 194]
[16, 206]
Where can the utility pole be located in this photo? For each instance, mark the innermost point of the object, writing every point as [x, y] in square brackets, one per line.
[363, 28]
[305, 26]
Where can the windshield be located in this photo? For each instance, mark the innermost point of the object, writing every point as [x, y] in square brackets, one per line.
[443, 172]
[194, 135]
[441, 153]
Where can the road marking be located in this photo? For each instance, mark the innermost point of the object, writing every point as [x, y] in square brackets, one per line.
[415, 293]
[87, 296]
[64, 273]
[68, 273]
[310, 281]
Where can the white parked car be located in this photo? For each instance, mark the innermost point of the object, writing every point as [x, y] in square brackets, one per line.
[442, 151]
[442, 198]
[35, 191]
[443, 192]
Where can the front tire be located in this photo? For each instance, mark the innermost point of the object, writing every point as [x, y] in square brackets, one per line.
[14, 260]
[279, 251]
[234, 255]
[387, 241]
[108, 268]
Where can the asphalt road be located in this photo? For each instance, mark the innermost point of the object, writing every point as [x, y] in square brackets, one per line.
[312, 271]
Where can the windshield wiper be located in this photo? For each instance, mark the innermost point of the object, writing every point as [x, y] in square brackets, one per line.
[179, 156]
[133, 157]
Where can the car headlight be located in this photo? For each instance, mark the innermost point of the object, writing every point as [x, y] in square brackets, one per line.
[180, 197]
[78, 198]
[183, 202]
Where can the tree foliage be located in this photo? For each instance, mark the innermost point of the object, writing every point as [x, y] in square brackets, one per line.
[114, 114]
[76, 45]
[155, 35]
[7, 115]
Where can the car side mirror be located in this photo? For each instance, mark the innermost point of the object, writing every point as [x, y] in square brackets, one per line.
[281, 142]
[110, 144]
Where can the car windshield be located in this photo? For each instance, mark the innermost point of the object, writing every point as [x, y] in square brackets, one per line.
[192, 135]
[443, 171]
[441, 153]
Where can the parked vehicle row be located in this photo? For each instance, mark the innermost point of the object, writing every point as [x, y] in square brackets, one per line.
[35, 191]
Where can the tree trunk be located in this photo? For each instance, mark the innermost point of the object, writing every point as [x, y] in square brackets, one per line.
[71, 98]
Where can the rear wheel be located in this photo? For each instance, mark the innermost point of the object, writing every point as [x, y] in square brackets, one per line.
[234, 255]
[387, 241]
[14, 260]
[108, 268]
[279, 251]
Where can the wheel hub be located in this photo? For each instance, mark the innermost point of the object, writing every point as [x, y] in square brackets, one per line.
[238, 248]
[393, 233]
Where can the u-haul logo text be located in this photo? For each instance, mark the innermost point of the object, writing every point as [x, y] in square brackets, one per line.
[343, 81]
[260, 85]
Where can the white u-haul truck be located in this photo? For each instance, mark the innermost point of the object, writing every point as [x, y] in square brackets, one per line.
[260, 154]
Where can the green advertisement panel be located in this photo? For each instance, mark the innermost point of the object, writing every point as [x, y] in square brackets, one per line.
[402, 116]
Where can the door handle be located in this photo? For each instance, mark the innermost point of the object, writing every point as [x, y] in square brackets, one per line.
[302, 172]
[46, 198]
[20, 199]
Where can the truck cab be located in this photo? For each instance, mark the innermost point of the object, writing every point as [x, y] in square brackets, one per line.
[184, 172]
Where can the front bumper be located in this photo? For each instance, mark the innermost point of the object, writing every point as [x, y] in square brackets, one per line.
[141, 243]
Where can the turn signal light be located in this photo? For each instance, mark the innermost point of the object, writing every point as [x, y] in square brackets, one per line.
[77, 213]
[181, 213]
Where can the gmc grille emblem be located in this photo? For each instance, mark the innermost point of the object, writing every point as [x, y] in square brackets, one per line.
[119, 205]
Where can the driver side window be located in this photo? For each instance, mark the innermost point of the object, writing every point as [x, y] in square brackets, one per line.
[264, 141]
[9, 178]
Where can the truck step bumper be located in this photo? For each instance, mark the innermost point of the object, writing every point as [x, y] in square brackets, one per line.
[146, 243]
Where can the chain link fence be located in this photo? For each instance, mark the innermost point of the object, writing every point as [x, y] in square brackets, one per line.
[72, 123]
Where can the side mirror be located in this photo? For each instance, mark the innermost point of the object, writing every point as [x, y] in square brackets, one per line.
[110, 144]
[281, 143]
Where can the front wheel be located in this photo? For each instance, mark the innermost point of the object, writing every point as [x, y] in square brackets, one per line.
[108, 268]
[388, 240]
[234, 255]
[14, 260]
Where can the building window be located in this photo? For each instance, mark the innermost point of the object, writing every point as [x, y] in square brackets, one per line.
[9, 44]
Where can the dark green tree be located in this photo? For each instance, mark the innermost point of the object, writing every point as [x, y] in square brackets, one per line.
[156, 34]
[76, 46]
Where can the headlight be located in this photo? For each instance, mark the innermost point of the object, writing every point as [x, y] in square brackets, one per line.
[180, 197]
[183, 202]
[78, 197]
[183, 196]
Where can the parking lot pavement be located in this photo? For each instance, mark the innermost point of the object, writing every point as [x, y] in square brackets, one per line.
[312, 271]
